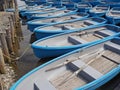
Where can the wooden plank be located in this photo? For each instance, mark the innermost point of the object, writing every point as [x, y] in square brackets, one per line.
[4, 46]
[2, 63]
[9, 41]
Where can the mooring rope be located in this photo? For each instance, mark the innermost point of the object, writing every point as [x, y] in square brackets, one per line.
[17, 58]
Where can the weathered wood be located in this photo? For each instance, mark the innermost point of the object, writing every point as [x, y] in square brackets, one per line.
[14, 36]
[9, 41]
[1, 86]
[4, 46]
[17, 22]
[2, 63]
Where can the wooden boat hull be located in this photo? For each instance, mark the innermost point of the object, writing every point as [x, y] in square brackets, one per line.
[36, 7]
[53, 15]
[30, 13]
[99, 10]
[40, 32]
[97, 14]
[44, 82]
[84, 7]
[59, 44]
[92, 2]
[111, 3]
[69, 5]
[113, 16]
[33, 24]
[113, 20]
[31, 3]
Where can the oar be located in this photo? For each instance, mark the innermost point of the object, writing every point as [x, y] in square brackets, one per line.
[68, 61]
[64, 63]
[79, 70]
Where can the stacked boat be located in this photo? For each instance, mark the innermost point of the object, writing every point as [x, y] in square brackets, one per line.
[85, 38]
[66, 18]
[75, 25]
[99, 10]
[113, 15]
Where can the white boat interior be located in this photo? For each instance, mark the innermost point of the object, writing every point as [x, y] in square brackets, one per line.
[44, 10]
[78, 37]
[114, 13]
[75, 70]
[83, 5]
[35, 7]
[100, 9]
[56, 13]
[72, 25]
[58, 19]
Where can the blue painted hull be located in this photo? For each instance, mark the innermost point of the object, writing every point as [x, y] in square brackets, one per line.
[51, 16]
[23, 10]
[46, 51]
[113, 20]
[92, 85]
[40, 33]
[30, 13]
[113, 16]
[37, 2]
[92, 2]
[99, 10]
[84, 7]
[32, 26]
[111, 3]
[97, 14]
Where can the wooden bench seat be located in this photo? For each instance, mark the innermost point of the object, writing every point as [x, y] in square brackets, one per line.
[105, 33]
[89, 22]
[41, 83]
[89, 73]
[76, 40]
[113, 47]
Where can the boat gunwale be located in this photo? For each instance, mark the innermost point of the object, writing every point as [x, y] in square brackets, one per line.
[38, 29]
[73, 46]
[89, 85]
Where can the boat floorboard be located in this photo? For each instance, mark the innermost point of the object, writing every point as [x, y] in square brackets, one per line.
[70, 84]
[90, 37]
[103, 64]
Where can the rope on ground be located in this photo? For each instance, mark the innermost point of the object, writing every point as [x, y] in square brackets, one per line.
[16, 59]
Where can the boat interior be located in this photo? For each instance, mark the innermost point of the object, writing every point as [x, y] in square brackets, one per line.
[45, 10]
[35, 7]
[74, 25]
[79, 37]
[101, 8]
[114, 13]
[59, 19]
[59, 12]
[81, 67]
[83, 6]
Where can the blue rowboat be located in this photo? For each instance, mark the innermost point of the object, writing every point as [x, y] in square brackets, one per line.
[64, 18]
[54, 14]
[28, 14]
[111, 3]
[32, 8]
[20, 8]
[32, 2]
[69, 4]
[113, 15]
[35, 7]
[92, 2]
[84, 7]
[86, 68]
[99, 10]
[49, 30]
[65, 42]
[57, 3]
[25, 8]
